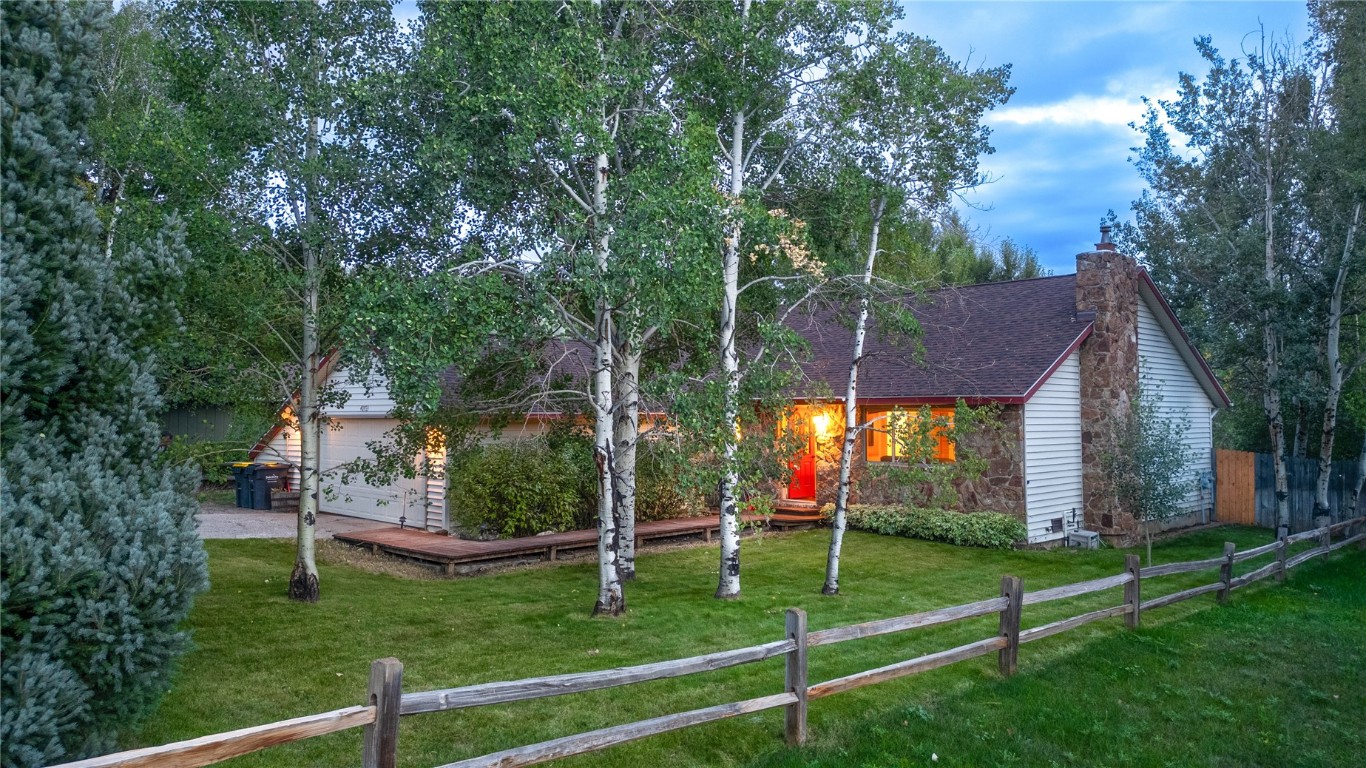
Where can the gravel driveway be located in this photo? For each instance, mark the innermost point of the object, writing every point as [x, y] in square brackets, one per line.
[219, 521]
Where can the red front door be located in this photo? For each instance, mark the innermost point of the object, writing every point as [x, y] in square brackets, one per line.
[803, 485]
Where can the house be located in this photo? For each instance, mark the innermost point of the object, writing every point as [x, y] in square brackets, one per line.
[1061, 356]
[365, 417]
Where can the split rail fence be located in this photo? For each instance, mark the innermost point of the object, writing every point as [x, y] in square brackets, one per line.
[387, 702]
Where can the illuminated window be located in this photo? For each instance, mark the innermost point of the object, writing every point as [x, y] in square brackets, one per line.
[898, 434]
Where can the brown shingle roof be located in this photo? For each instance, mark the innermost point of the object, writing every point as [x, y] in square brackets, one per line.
[990, 342]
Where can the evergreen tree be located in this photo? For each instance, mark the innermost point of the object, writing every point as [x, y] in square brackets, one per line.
[101, 557]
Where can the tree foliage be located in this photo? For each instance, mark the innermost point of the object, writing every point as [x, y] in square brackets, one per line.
[101, 555]
[908, 122]
[1249, 228]
[290, 89]
[1149, 468]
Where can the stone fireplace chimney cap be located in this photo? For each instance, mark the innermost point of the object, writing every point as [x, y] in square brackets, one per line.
[1105, 244]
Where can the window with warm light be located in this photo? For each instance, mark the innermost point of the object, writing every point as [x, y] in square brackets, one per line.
[891, 431]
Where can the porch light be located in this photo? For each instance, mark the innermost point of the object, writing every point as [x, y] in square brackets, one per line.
[821, 422]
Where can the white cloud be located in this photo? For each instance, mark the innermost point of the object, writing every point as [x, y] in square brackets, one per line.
[1078, 110]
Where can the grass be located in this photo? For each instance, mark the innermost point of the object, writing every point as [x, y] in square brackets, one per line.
[1252, 683]
[224, 495]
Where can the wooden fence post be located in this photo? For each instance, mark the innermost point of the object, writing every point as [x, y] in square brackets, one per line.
[1326, 538]
[796, 677]
[1281, 555]
[385, 692]
[1012, 588]
[1226, 572]
[1131, 591]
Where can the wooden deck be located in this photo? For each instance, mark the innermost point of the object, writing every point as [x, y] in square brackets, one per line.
[450, 551]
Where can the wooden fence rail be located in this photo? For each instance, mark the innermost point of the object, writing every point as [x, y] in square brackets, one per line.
[387, 703]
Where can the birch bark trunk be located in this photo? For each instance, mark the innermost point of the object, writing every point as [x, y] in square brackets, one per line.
[626, 438]
[611, 598]
[728, 585]
[1271, 400]
[303, 581]
[851, 424]
[1334, 364]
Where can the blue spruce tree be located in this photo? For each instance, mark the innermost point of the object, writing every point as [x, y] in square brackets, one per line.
[99, 558]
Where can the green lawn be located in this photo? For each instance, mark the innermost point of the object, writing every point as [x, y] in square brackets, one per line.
[227, 496]
[1273, 679]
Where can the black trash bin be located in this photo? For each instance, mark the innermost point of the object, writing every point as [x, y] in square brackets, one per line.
[242, 472]
[266, 478]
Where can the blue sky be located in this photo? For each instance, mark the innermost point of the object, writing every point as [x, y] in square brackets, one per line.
[1063, 141]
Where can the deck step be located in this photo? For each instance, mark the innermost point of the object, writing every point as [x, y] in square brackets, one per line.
[451, 552]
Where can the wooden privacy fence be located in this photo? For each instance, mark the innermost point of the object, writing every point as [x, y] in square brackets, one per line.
[386, 702]
[1235, 487]
[1245, 489]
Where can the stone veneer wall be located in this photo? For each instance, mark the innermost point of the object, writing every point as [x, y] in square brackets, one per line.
[999, 489]
[1107, 283]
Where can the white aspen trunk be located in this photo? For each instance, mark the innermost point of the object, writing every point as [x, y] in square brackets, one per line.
[113, 225]
[1299, 443]
[1275, 417]
[303, 580]
[851, 424]
[611, 598]
[728, 584]
[1334, 362]
[1271, 403]
[627, 436]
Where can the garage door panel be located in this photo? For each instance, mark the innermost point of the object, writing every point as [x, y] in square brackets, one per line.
[347, 493]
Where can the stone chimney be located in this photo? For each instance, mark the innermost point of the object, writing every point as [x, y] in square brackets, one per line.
[1107, 284]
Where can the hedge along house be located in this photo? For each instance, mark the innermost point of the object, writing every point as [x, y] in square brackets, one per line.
[1061, 356]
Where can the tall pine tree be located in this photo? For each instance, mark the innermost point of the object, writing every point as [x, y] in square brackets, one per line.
[101, 557]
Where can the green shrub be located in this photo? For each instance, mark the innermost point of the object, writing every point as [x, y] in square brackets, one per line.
[992, 530]
[550, 483]
[660, 489]
[209, 458]
[522, 488]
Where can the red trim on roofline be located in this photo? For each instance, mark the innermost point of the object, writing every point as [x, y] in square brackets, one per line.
[1083, 336]
[1204, 366]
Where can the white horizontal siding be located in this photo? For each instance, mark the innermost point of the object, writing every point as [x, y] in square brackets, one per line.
[284, 446]
[1052, 429]
[435, 486]
[366, 399]
[1164, 373]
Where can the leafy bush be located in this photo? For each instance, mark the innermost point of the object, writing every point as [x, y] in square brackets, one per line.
[661, 491]
[1149, 465]
[550, 483]
[209, 458]
[992, 530]
[522, 488]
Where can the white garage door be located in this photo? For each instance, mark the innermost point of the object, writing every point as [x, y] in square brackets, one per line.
[352, 496]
